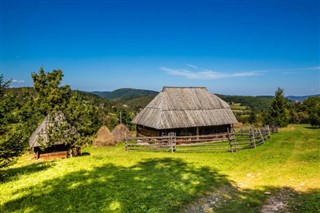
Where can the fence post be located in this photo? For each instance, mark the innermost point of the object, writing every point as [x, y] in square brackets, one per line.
[234, 140]
[127, 148]
[252, 137]
[268, 131]
[231, 136]
[262, 136]
[172, 141]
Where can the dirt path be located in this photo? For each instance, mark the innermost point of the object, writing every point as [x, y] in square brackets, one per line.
[278, 202]
[213, 200]
[220, 198]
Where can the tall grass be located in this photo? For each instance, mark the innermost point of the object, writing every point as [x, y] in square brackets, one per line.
[112, 180]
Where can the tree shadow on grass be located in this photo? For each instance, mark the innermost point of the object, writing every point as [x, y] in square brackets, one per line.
[10, 174]
[153, 185]
[312, 127]
[84, 154]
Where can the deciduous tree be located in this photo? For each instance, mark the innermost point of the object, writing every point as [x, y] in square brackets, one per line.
[50, 96]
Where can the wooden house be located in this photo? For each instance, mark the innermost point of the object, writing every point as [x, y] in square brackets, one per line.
[39, 138]
[186, 111]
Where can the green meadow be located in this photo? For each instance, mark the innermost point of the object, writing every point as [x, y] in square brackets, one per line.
[283, 174]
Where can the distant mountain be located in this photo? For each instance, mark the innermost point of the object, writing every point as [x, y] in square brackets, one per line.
[126, 94]
[139, 98]
[300, 98]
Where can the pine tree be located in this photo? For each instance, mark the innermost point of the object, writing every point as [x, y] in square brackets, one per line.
[11, 145]
[278, 112]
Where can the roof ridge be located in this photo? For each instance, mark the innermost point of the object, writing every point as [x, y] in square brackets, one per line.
[182, 87]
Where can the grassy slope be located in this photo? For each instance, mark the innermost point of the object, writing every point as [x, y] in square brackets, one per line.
[109, 179]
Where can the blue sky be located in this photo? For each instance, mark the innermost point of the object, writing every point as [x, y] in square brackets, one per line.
[231, 47]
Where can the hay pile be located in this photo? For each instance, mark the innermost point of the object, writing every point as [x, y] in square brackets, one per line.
[104, 138]
[120, 132]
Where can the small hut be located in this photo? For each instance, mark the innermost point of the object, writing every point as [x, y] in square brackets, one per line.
[39, 140]
[104, 137]
[186, 111]
[120, 132]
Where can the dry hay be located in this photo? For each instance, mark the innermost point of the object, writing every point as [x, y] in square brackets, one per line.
[104, 137]
[120, 132]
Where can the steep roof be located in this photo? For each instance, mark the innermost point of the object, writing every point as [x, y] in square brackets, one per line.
[41, 133]
[182, 107]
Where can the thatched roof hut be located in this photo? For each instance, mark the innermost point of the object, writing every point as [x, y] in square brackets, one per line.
[41, 133]
[39, 140]
[186, 111]
[120, 132]
[104, 137]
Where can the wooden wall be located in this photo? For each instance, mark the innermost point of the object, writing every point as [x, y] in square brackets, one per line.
[150, 132]
[61, 148]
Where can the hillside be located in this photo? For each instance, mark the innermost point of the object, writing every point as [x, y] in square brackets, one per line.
[125, 94]
[259, 103]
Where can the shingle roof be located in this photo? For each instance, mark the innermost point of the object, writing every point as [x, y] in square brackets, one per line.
[42, 131]
[182, 107]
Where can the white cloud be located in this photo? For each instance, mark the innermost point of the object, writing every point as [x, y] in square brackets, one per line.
[206, 74]
[296, 70]
[192, 66]
[313, 68]
[18, 81]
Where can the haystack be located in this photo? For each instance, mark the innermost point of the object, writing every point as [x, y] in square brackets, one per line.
[104, 137]
[120, 132]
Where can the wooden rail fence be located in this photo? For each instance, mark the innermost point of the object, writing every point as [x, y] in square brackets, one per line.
[230, 141]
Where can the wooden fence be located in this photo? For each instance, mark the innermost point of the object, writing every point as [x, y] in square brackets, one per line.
[231, 141]
[245, 139]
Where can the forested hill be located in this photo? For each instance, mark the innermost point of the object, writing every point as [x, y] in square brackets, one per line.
[139, 98]
[125, 94]
[259, 103]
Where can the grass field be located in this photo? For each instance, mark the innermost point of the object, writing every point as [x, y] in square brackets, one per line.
[283, 174]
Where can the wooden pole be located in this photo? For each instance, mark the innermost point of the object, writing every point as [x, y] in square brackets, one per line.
[230, 140]
[127, 148]
[197, 133]
[262, 137]
[252, 137]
